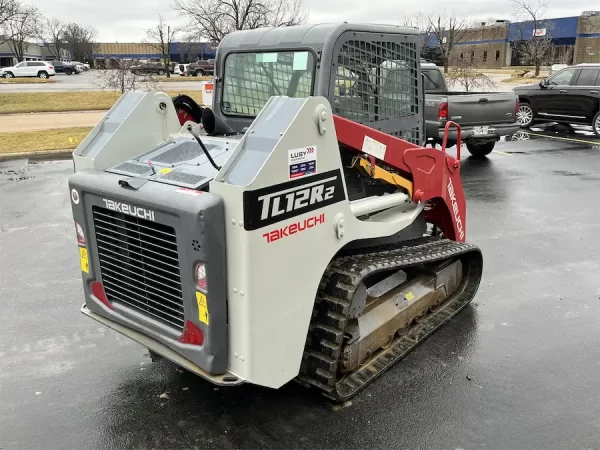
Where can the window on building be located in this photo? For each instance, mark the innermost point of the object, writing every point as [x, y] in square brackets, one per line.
[461, 56]
[497, 55]
[472, 56]
[484, 55]
[588, 77]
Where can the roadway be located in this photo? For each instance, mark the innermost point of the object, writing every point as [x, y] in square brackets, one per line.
[87, 81]
[518, 369]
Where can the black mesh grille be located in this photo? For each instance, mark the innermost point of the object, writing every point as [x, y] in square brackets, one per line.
[139, 265]
[376, 83]
[134, 168]
[183, 177]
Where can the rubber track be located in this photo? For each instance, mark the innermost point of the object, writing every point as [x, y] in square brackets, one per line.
[330, 314]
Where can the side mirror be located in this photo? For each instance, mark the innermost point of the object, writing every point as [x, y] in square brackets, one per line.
[544, 83]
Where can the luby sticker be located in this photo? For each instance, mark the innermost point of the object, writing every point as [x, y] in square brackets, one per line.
[302, 161]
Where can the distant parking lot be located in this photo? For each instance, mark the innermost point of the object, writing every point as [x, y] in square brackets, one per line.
[85, 81]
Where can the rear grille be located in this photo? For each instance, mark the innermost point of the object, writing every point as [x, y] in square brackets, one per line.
[139, 265]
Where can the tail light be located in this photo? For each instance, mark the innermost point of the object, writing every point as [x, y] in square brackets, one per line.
[50, 67]
[443, 112]
[80, 233]
[192, 334]
[200, 273]
[98, 292]
[518, 105]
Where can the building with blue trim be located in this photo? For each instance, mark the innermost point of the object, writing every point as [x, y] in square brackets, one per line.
[573, 39]
[180, 52]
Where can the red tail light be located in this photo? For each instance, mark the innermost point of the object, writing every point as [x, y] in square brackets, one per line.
[98, 292]
[80, 234]
[200, 274]
[443, 112]
[192, 334]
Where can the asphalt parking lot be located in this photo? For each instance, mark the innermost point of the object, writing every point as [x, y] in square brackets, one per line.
[85, 81]
[518, 369]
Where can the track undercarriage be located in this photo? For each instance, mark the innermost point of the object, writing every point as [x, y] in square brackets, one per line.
[376, 304]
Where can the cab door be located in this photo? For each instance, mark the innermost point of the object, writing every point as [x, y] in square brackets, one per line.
[551, 101]
[585, 93]
[21, 69]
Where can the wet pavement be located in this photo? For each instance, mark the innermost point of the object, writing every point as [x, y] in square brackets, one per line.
[518, 369]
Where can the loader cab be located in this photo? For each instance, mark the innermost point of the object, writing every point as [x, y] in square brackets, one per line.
[369, 73]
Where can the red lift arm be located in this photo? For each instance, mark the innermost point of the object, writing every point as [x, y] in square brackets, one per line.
[435, 175]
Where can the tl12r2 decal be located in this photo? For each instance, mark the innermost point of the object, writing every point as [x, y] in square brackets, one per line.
[272, 204]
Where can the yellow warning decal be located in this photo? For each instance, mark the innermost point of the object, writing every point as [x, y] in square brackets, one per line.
[83, 260]
[410, 296]
[202, 307]
[165, 170]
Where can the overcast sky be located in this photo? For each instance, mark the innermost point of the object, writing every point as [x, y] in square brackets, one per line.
[123, 21]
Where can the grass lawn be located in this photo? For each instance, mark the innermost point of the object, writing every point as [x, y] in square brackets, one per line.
[39, 102]
[55, 139]
[25, 81]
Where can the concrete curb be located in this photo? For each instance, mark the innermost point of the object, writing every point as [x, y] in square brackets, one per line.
[38, 155]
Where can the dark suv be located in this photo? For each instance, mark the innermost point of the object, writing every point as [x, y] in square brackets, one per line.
[570, 96]
[67, 68]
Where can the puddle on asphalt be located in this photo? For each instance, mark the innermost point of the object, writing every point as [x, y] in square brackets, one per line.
[569, 134]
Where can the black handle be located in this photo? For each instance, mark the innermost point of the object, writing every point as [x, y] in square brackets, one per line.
[562, 91]
[483, 100]
[593, 92]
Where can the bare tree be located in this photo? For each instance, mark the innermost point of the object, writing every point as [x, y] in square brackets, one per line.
[214, 19]
[448, 31]
[21, 28]
[534, 33]
[160, 37]
[79, 41]
[463, 72]
[51, 31]
[422, 23]
[8, 9]
[120, 78]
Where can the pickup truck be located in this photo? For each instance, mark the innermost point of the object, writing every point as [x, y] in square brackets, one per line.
[483, 117]
[67, 68]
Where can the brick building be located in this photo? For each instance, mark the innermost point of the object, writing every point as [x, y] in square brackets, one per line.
[180, 52]
[573, 40]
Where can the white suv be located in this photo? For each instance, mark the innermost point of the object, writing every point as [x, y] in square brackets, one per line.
[41, 69]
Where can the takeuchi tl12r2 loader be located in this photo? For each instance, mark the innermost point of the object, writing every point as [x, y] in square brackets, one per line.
[296, 229]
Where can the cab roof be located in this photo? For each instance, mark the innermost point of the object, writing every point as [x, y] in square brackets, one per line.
[315, 36]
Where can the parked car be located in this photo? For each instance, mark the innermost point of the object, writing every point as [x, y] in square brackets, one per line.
[85, 66]
[40, 69]
[569, 96]
[202, 68]
[183, 70]
[149, 68]
[483, 117]
[68, 68]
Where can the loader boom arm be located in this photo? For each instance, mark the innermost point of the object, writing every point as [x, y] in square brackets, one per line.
[435, 174]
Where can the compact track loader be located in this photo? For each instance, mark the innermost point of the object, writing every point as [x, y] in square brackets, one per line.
[296, 229]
